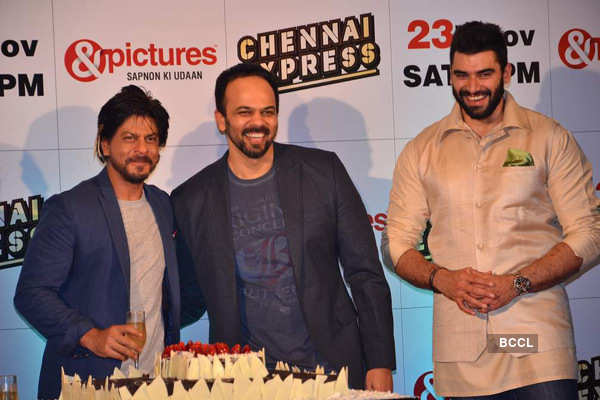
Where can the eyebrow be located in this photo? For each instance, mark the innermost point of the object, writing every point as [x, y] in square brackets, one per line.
[271, 107]
[137, 134]
[481, 71]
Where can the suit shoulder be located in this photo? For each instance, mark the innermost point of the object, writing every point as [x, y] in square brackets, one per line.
[80, 193]
[540, 122]
[305, 154]
[197, 181]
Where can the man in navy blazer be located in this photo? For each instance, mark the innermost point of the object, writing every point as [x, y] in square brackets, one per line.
[260, 235]
[102, 248]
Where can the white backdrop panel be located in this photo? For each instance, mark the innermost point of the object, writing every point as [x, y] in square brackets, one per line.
[28, 120]
[575, 92]
[422, 94]
[371, 95]
[160, 31]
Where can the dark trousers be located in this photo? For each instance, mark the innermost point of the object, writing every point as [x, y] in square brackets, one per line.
[564, 389]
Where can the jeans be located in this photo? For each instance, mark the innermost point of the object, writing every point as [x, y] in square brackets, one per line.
[564, 389]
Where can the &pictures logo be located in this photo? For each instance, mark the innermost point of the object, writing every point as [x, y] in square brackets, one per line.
[577, 48]
[86, 60]
[424, 387]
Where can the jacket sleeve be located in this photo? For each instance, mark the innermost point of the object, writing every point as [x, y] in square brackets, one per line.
[408, 209]
[571, 189]
[363, 272]
[45, 269]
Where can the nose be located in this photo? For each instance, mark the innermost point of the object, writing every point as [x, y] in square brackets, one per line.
[141, 146]
[472, 84]
[257, 118]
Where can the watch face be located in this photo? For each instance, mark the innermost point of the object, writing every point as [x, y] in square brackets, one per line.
[522, 284]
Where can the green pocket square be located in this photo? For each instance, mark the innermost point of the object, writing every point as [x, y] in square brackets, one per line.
[518, 158]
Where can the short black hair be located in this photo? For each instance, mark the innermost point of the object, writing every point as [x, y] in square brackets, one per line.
[239, 71]
[475, 37]
[131, 100]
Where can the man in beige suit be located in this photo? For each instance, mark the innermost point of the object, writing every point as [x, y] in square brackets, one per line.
[510, 198]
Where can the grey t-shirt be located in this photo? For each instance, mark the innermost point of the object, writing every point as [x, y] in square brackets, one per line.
[147, 268]
[269, 307]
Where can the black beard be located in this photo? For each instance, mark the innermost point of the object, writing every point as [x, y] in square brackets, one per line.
[495, 98]
[131, 178]
[250, 151]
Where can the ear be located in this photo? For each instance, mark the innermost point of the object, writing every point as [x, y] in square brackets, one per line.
[507, 74]
[105, 148]
[220, 120]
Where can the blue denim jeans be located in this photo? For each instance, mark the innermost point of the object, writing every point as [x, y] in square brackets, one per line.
[564, 389]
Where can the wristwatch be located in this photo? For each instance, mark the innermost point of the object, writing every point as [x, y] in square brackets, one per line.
[521, 284]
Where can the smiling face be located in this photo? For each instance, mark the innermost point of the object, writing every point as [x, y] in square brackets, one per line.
[478, 83]
[250, 122]
[133, 151]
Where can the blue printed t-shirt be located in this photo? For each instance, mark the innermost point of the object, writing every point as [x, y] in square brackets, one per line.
[270, 311]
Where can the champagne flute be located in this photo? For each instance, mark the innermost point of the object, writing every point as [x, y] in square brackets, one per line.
[138, 320]
[8, 387]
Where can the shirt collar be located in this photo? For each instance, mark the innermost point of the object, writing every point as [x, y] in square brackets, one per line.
[514, 117]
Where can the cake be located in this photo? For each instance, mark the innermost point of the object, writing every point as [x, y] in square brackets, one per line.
[196, 371]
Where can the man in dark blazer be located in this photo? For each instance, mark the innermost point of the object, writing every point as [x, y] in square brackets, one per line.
[80, 275]
[260, 234]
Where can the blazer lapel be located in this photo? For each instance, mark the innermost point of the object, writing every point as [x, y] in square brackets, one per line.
[114, 220]
[289, 186]
[165, 227]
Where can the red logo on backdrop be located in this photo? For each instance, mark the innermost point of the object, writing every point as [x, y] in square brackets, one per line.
[84, 61]
[424, 387]
[577, 48]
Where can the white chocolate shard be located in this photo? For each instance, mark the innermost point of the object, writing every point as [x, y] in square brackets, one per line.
[221, 390]
[341, 383]
[271, 387]
[133, 372]
[124, 393]
[141, 393]
[205, 367]
[117, 374]
[217, 371]
[255, 390]
[240, 368]
[89, 391]
[257, 368]
[157, 389]
[157, 364]
[179, 392]
[192, 370]
[240, 387]
[285, 389]
[228, 367]
[309, 389]
[296, 391]
[200, 390]
[114, 393]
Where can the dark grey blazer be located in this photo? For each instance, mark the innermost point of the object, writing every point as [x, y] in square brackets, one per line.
[326, 223]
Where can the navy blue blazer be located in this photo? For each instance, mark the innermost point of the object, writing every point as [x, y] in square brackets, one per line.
[75, 277]
[326, 224]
